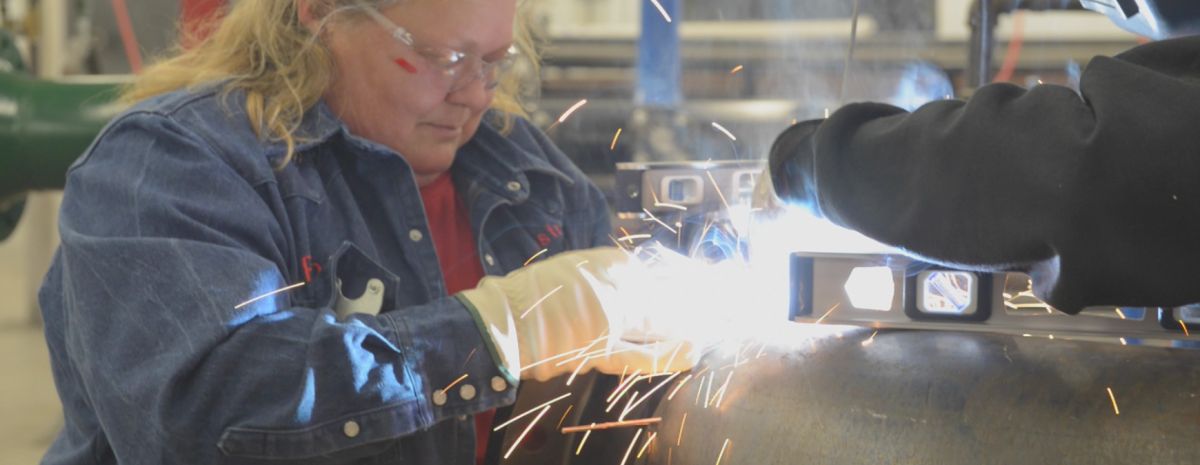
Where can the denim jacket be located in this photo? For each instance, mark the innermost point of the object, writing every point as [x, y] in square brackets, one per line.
[176, 217]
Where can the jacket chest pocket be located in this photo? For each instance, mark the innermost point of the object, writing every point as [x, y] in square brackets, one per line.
[353, 283]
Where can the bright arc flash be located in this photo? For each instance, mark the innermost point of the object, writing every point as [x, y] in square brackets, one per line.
[1114, 401]
[661, 10]
[725, 131]
[567, 114]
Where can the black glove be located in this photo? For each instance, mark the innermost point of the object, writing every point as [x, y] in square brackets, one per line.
[792, 165]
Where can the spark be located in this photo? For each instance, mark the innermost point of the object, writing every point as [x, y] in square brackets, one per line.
[651, 391]
[616, 137]
[469, 356]
[256, 299]
[551, 359]
[760, 351]
[584, 441]
[567, 114]
[611, 425]
[1114, 401]
[735, 69]
[564, 416]
[624, 371]
[535, 256]
[670, 205]
[831, 309]
[628, 406]
[681, 424]
[634, 237]
[582, 352]
[1120, 313]
[719, 194]
[527, 412]
[870, 339]
[526, 431]
[1123, 342]
[678, 387]
[1027, 335]
[631, 444]
[722, 454]
[708, 390]
[655, 219]
[699, 390]
[1185, 329]
[724, 387]
[726, 131]
[1051, 337]
[647, 444]
[826, 114]
[671, 359]
[578, 369]
[453, 383]
[622, 386]
[661, 10]
[539, 301]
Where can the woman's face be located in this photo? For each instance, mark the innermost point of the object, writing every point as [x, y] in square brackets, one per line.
[387, 92]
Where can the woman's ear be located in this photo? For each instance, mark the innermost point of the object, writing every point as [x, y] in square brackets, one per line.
[304, 9]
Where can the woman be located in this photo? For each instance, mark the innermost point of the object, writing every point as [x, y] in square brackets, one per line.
[259, 260]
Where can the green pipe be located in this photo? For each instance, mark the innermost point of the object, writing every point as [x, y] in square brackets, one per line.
[45, 126]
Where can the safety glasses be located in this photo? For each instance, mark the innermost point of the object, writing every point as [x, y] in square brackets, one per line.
[455, 69]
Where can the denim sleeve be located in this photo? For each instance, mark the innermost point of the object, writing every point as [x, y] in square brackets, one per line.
[163, 240]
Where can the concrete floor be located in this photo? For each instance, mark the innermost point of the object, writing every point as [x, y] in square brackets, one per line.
[30, 414]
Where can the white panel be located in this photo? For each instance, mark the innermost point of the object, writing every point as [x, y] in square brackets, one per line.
[1039, 25]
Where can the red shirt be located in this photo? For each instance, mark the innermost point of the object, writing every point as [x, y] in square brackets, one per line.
[450, 227]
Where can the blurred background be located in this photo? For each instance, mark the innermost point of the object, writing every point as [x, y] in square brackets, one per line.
[752, 67]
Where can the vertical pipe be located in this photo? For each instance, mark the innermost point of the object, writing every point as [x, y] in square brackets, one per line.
[52, 41]
[983, 33]
[659, 65]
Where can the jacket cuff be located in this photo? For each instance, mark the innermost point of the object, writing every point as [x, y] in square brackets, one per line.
[440, 346]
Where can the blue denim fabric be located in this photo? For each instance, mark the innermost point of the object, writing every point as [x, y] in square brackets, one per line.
[176, 215]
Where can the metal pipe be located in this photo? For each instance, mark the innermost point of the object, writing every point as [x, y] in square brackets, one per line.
[983, 36]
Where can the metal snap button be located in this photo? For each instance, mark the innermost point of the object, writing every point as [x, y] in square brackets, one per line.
[439, 397]
[499, 384]
[513, 186]
[350, 429]
[467, 392]
[415, 235]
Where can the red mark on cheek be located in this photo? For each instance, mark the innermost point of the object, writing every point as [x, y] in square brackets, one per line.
[406, 65]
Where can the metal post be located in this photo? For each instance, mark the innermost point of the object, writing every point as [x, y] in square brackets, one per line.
[983, 35]
[659, 64]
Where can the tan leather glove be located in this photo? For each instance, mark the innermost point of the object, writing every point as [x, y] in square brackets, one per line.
[563, 304]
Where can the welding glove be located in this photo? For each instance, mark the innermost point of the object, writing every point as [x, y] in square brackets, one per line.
[564, 304]
[791, 170]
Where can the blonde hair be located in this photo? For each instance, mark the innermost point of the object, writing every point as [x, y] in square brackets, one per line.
[262, 48]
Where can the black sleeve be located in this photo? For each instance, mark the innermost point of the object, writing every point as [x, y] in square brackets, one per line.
[1095, 195]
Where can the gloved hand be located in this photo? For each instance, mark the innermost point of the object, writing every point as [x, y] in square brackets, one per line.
[791, 169]
[562, 304]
